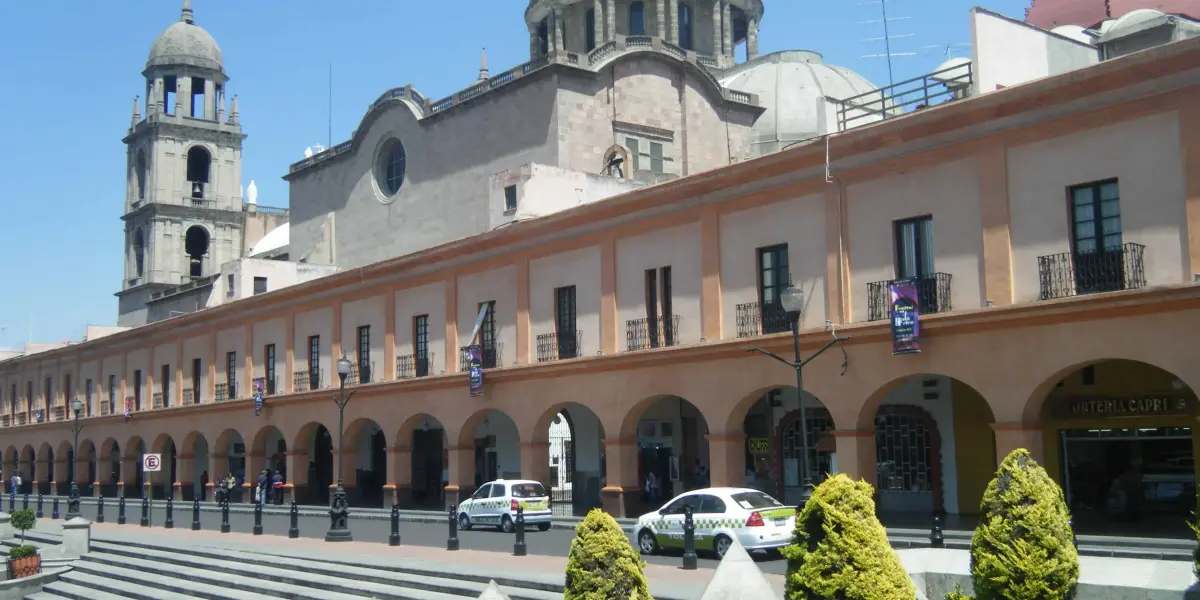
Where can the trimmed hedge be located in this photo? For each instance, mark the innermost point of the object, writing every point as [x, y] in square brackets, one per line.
[1023, 547]
[602, 564]
[841, 551]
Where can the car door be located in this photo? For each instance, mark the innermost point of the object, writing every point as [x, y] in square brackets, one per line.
[475, 506]
[498, 503]
[708, 518]
[672, 521]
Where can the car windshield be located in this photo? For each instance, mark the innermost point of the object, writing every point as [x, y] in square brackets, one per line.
[528, 490]
[755, 500]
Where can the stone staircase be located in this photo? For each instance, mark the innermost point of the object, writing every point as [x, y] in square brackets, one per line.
[132, 571]
[1089, 545]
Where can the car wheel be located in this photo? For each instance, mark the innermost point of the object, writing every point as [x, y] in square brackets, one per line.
[543, 527]
[721, 545]
[464, 522]
[647, 542]
[506, 524]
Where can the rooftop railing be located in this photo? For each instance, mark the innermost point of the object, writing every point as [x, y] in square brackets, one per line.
[905, 97]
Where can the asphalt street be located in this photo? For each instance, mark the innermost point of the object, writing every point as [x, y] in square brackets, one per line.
[555, 542]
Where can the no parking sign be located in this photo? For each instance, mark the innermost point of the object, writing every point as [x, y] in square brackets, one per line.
[152, 463]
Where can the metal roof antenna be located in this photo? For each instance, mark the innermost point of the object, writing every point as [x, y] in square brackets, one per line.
[887, 38]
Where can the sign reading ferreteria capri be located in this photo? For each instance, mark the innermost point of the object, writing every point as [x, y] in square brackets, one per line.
[1142, 406]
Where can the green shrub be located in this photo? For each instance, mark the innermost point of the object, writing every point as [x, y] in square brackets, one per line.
[957, 594]
[1023, 547]
[22, 551]
[23, 520]
[602, 564]
[1194, 524]
[841, 550]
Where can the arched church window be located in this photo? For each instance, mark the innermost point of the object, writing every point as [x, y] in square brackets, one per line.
[199, 161]
[685, 26]
[139, 252]
[141, 174]
[392, 165]
[544, 36]
[589, 33]
[195, 243]
[637, 18]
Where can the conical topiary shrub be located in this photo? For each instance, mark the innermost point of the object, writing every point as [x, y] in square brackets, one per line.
[602, 564]
[1023, 547]
[841, 550]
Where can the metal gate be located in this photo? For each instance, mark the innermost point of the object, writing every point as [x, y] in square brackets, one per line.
[562, 467]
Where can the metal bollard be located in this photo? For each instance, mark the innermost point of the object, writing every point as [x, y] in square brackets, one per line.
[936, 538]
[258, 518]
[170, 522]
[294, 530]
[452, 541]
[25, 502]
[225, 515]
[100, 508]
[121, 509]
[195, 514]
[394, 539]
[145, 512]
[519, 546]
[689, 540]
[54, 509]
[39, 506]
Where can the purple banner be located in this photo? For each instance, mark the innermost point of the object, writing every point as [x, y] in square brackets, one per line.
[475, 369]
[905, 316]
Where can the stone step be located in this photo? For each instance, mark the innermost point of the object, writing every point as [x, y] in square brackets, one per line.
[64, 590]
[87, 586]
[126, 573]
[245, 571]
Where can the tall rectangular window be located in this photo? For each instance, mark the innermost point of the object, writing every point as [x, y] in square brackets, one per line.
[137, 390]
[565, 325]
[773, 277]
[686, 27]
[652, 306]
[66, 391]
[231, 375]
[364, 354]
[29, 396]
[269, 368]
[510, 198]
[589, 34]
[314, 362]
[487, 335]
[260, 285]
[165, 385]
[1096, 237]
[196, 379]
[47, 397]
[659, 318]
[112, 393]
[421, 345]
[914, 248]
[12, 400]
[87, 397]
[637, 18]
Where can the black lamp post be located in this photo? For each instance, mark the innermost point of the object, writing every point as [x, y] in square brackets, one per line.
[76, 426]
[340, 511]
[792, 300]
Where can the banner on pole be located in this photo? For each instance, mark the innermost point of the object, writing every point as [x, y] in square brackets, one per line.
[905, 316]
[475, 369]
[258, 397]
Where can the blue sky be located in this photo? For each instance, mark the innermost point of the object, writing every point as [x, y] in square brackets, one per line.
[71, 70]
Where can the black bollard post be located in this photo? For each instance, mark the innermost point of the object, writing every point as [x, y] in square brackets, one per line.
[39, 506]
[145, 512]
[452, 541]
[394, 539]
[689, 540]
[25, 502]
[294, 530]
[121, 509]
[225, 514]
[54, 509]
[936, 539]
[258, 518]
[100, 509]
[519, 546]
[195, 514]
[170, 522]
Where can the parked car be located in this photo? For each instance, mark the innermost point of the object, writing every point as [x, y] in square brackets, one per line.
[495, 503]
[720, 515]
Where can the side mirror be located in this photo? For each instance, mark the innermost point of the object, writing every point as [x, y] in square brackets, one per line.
[662, 511]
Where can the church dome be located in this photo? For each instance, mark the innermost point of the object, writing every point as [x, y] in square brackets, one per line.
[185, 43]
[792, 85]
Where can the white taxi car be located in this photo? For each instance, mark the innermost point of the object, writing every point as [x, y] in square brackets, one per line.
[720, 515]
[495, 503]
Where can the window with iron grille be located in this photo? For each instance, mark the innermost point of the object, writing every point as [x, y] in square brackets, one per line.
[137, 389]
[487, 333]
[773, 277]
[231, 374]
[29, 396]
[1098, 255]
[565, 322]
[112, 393]
[47, 397]
[421, 344]
[165, 385]
[87, 397]
[269, 366]
[658, 307]
[364, 354]
[314, 362]
[196, 364]
[66, 390]
[12, 399]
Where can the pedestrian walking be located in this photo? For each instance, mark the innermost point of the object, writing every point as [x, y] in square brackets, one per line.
[277, 487]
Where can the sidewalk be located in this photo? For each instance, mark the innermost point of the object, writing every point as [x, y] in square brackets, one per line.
[666, 583]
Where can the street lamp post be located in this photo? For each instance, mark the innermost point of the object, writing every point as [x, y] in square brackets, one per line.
[76, 426]
[792, 300]
[340, 511]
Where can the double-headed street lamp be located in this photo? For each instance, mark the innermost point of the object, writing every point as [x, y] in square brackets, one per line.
[340, 511]
[76, 426]
[792, 300]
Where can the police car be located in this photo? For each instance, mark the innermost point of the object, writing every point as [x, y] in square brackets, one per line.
[495, 503]
[720, 515]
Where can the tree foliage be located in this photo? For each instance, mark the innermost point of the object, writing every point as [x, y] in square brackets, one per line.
[602, 564]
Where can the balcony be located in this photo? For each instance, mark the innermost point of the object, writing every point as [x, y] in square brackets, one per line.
[304, 381]
[1078, 273]
[190, 396]
[268, 386]
[559, 345]
[360, 374]
[905, 97]
[225, 391]
[933, 296]
[59, 413]
[659, 332]
[22, 418]
[158, 400]
[6, 421]
[754, 321]
[413, 365]
[489, 355]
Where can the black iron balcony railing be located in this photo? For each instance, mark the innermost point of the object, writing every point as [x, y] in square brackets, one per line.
[1105, 270]
[222, 391]
[413, 365]
[754, 319]
[22, 418]
[304, 381]
[489, 356]
[659, 332]
[190, 396]
[360, 373]
[59, 413]
[5, 421]
[158, 400]
[933, 296]
[559, 345]
[905, 97]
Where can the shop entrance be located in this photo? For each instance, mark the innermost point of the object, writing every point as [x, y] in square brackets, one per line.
[1120, 476]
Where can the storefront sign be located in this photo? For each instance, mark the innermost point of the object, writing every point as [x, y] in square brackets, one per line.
[1083, 408]
[906, 330]
[475, 369]
[759, 445]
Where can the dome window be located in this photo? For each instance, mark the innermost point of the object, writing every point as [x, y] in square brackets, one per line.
[392, 166]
